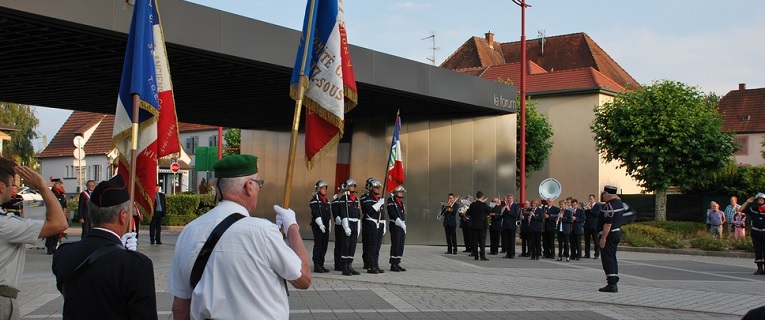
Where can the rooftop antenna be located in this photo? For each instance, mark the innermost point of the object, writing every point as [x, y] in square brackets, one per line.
[433, 47]
[542, 40]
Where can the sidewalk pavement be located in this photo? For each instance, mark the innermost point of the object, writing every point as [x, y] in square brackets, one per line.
[441, 286]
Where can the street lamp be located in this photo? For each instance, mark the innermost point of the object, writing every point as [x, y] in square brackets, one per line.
[523, 5]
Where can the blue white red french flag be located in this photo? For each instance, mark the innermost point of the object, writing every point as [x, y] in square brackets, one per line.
[331, 90]
[395, 159]
[145, 72]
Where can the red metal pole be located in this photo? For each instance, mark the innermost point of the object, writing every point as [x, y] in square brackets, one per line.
[523, 5]
[220, 143]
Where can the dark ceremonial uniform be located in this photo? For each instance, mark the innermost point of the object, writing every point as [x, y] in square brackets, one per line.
[155, 226]
[591, 230]
[467, 232]
[611, 213]
[396, 210]
[478, 211]
[450, 227]
[495, 229]
[525, 231]
[320, 208]
[564, 232]
[548, 235]
[118, 285]
[535, 233]
[510, 215]
[52, 241]
[371, 231]
[757, 218]
[350, 209]
[84, 212]
[576, 234]
[339, 232]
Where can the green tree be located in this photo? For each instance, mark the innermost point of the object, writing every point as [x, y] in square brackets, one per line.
[232, 140]
[24, 119]
[663, 135]
[538, 141]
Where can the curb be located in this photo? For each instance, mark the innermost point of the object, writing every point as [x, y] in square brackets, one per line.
[690, 252]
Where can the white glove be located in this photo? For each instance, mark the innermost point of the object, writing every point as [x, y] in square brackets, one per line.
[379, 204]
[285, 218]
[130, 241]
[399, 223]
[403, 226]
[346, 227]
[337, 220]
[329, 227]
[321, 225]
[358, 227]
[385, 227]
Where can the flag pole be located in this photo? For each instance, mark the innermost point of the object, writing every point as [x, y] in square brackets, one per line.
[133, 159]
[387, 163]
[302, 85]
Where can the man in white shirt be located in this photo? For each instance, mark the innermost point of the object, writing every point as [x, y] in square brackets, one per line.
[17, 232]
[244, 276]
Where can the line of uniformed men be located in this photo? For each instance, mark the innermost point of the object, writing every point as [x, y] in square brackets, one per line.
[351, 216]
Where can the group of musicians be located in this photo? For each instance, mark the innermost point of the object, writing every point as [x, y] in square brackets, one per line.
[539, 223]
[352, 215]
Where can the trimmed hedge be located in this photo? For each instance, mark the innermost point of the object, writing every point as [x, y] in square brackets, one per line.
[679, 234]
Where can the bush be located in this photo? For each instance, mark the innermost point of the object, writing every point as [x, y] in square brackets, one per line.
[206, 202]
[182, 204]
[710, 242]
[637, 240]
[178, 220]
[742, 244]
[682, 228]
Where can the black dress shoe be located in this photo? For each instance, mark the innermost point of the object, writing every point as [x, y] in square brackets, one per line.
[394, 267]
[372, 271]
[324, 270]
[152, 242]
[159, 242]
[475, 257]
[484, 259]
[317, 269]
[586, 256]
[338, 268]
[596, 257]
[353, 271]
[507, 256]
[503, 251]
[455, 252]
[467, 250]
[609, 288]
[379, 270]
[400, 267]
[448, 252]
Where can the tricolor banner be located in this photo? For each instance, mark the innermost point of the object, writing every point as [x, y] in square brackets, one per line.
[331, 90]
[145, 72]
[395, 159]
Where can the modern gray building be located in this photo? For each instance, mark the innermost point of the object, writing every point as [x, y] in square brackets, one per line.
[458, 132]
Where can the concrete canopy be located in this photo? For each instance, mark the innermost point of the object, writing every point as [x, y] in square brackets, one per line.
[227, 70]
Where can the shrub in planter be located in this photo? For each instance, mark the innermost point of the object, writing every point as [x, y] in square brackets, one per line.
[742, 244]
[182, 204]
[178, 219]
[710, 242]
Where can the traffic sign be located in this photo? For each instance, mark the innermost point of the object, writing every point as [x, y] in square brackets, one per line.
[79, 141]
[174, 167]
[79, 153]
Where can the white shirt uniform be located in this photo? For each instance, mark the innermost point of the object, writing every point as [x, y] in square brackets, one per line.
[243, 278]
[15, 234]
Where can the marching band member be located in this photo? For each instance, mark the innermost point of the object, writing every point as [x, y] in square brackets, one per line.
[478, 212]
[450, 223]
[551, 217]
[526, 212]
[510, 213]
[397, 215]
[591, 212]
[373, 226]
[320, 225]
[467, 233]
[565, 219]
[578, 230]
[495, 226]
[535, 231]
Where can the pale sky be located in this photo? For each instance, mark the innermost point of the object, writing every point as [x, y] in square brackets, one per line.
[714, 45]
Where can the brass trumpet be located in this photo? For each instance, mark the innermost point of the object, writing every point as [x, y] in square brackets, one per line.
[446, 207]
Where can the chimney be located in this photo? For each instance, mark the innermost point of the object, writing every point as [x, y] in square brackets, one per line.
[490, 39]
[742, 86]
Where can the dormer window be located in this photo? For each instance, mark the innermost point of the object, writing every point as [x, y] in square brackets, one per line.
[745, 117]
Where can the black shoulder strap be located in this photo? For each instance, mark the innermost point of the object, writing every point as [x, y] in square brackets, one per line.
[100, 252]
[207, 248]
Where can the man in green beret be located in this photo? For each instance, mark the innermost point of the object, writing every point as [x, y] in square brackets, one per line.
[245, 273]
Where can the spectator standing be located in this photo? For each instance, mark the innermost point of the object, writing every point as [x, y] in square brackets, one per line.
[730, 211]
[82, 207]
[203, 186]
[160, 208]
[739, 224]
[57, 186]
[715, 219]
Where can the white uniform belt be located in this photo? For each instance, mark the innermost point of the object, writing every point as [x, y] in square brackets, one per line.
[371, 219]
[353, 219]
[612, 230]
[757, 229]
[394, 221]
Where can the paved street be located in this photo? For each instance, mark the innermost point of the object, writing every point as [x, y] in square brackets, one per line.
[440, 286]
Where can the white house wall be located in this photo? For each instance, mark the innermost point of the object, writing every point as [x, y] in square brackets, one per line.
[56, 167]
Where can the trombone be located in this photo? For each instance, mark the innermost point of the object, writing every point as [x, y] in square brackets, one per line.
[446, 207]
